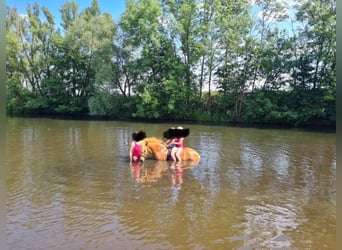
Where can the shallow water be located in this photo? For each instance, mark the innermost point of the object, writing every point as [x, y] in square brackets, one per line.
[70, 186]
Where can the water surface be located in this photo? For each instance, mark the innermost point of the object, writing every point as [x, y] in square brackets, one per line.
[70, 186]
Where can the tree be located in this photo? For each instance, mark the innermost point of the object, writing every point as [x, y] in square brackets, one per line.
[317, 44]
[184, 25]
[233, 24]
[157, 61]
[31, 48]
[88, 41]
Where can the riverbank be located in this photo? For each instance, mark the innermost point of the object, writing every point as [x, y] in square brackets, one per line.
[321, 127]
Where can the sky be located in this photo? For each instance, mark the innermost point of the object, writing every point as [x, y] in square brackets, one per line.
[114, 7]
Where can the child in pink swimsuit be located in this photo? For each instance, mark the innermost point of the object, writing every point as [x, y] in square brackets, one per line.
[135, 152]
[180, 144]
[176, 141]
[172, 144]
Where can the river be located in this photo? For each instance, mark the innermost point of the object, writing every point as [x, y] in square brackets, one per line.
[70, 186]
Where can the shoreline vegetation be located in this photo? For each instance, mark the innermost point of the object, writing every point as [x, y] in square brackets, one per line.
[195, 61]
[329, 128]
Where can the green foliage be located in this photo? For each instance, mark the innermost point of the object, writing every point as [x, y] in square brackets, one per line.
[140, 21]
[297, 107]
[261, 108]
[157, 61]
[36, 105]
[104, 104]
[16, 96]
[148, 106]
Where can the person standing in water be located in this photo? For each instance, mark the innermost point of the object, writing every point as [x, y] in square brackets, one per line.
[135, 151]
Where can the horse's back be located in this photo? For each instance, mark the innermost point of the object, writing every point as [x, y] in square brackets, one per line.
[189, 154]
[152, 140]
[154, 146]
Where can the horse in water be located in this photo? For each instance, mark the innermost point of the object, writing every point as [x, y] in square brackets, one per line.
[155, 147]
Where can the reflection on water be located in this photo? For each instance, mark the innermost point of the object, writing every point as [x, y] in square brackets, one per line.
[150, 172]
[70, 186]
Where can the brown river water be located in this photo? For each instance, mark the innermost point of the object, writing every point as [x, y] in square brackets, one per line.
[70, 186]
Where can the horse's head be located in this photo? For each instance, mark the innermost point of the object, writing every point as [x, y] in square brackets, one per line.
[145, 150]
[155, 147]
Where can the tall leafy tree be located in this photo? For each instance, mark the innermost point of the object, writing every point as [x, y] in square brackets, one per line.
[15, 92]
[31, 43]
[233, 24]
[271, 47]
[316, 64]
[209, 45]
[184, 25]
[314, 71]
[88, 42]
[160, 71]
[141, 22]
[69, 12]
[140, 33]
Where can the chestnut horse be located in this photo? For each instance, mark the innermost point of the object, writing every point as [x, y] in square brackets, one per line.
[155, 147]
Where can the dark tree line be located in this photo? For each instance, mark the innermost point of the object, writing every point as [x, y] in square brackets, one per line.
[198, 60]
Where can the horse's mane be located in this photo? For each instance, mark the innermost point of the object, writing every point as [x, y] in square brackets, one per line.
[153, 140]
